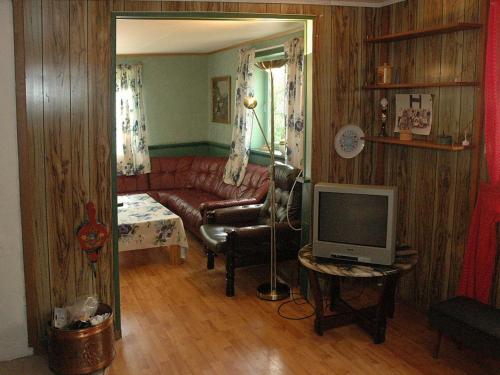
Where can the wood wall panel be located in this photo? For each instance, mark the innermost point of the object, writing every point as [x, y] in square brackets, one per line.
[84, 282]
[64, 131]
[434, 186]
[99, 62]
[321, 134]
[57, 133]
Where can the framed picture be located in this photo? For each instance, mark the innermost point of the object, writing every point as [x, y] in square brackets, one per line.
[414, 113]
[221, 99]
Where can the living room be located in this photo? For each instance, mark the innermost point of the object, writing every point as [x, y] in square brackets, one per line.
[188, 317]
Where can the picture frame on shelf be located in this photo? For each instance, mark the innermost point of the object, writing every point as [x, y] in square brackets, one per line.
[413, 113]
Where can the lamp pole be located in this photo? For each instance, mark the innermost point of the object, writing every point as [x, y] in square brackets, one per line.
[272, 291]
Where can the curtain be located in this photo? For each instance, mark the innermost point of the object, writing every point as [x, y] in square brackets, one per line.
[294, 51]
[243, 118]
[132, 154]
[479, 260]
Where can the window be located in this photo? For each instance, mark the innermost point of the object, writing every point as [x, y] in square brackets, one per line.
[279, 77]
[263, 94]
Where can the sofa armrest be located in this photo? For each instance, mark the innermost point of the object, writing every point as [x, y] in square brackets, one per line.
[206, 207]
[235, 215]
[262, 231]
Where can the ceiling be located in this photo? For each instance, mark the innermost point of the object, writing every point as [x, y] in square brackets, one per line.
[134, 36]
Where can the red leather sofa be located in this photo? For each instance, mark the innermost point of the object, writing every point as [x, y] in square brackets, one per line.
[191, 186]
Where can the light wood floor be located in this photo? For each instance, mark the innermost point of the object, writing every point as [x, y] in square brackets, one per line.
[177, 320]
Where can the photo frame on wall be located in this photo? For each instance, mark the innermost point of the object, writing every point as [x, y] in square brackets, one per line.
[221, 99]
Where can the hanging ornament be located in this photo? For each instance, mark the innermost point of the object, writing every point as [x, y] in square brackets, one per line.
[92, 236]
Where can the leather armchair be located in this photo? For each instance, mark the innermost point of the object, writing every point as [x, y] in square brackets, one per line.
[243, 233]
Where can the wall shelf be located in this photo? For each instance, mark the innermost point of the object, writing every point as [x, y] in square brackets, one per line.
[388, 86]
[460, 26]
[416, 143]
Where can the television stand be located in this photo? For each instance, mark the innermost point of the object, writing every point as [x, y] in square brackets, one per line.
[372, 319]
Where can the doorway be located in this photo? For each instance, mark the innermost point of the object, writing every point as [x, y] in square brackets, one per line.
[196, 43]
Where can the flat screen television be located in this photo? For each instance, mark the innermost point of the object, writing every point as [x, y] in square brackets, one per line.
[355, 223]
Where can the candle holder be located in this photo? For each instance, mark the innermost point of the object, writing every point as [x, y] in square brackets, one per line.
[384, 103]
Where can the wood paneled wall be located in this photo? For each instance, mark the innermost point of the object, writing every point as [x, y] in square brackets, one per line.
[63, 73]
[434, 186]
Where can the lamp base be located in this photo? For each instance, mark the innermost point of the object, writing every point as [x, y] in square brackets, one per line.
[264, 291]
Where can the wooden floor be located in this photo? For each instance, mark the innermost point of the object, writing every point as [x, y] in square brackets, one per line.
[177, 320]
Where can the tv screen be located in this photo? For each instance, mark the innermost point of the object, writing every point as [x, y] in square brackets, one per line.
[354, 219]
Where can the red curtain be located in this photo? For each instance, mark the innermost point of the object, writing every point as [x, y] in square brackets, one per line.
[479, 261]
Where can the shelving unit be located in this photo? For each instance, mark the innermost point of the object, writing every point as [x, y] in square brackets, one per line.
[436, 30]
[416, 143]
[460, 26]
[389, 86]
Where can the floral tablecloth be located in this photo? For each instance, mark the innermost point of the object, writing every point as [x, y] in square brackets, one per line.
[144, 223]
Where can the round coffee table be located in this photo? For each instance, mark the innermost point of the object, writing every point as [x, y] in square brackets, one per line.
[373, 318]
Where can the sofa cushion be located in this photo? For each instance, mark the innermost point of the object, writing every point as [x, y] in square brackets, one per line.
[185, 203]
[254, 185]
[132, 184]
[207, 174]
[171, 173]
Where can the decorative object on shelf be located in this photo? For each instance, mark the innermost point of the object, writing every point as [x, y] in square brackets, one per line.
[221, 99]
[384, 103]
[413, 115]
[466, 141]
[444, 139]
[92, 236]
[274, 290]
[384, 74]
[349, 141]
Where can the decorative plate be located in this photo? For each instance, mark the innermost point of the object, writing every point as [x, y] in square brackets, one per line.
[348, 142]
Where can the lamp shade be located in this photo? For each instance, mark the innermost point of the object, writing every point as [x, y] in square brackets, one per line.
[271, 64]
[250, 102]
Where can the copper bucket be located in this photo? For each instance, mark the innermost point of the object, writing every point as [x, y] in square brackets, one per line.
[82, 351]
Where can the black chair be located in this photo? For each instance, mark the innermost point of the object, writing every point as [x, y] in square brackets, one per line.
[468, 322]
[243, 233]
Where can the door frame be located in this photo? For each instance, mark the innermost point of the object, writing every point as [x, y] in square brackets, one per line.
[308, 21]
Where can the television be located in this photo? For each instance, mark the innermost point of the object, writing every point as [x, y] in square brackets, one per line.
[355, 223]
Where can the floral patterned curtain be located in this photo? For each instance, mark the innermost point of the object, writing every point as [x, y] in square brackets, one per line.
[242, 127]
[132, 154]
[294, 51]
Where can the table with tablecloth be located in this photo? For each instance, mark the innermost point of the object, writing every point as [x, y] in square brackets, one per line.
[144, 223]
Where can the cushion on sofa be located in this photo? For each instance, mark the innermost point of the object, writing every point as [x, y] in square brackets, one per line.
[132, 184]
[185, 203]
[207, 174]
[254, 185]
[171, 173]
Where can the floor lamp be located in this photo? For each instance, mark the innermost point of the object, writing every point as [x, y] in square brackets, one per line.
[274, 290]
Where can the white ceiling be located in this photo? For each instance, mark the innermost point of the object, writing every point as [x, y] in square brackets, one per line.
[193, 36]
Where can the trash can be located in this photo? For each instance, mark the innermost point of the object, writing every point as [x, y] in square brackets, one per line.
[82, 351]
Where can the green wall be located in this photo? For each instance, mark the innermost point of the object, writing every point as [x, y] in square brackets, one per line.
[177, 100]
[175, 97]
[225, 63]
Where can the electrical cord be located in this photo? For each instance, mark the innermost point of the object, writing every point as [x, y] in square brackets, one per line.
[294, 300]
[288, 203]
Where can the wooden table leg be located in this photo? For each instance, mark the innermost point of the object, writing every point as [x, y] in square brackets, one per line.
[174, 254]
[334, 292]
[318, 301]
[385, 305]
